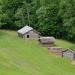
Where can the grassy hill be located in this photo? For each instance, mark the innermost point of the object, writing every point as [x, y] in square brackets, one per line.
[25, 57]
[65, 44]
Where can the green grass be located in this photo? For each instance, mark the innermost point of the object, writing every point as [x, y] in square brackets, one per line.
[27, 57]
[65, 44]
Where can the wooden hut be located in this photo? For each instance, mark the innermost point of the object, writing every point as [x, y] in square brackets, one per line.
[56, 50]
[47, 41]
[69, 54]
[28, 32]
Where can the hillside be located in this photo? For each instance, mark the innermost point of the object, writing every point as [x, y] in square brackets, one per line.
[65, 44]
[27, 57]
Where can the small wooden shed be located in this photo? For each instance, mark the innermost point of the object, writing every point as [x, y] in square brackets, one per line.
[47, 41]
[28, 32]
[69, 54]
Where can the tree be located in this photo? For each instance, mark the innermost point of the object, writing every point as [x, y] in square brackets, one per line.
[47, 16]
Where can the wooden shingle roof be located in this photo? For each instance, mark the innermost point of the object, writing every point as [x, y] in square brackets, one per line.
[25, 29]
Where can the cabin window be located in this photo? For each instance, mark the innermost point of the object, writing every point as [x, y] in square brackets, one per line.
[27, 36]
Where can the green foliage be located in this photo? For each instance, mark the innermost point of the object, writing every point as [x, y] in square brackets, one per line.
[47, 17]
[50, 17]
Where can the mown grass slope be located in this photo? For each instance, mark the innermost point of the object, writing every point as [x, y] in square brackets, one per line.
[65, 44]
[27, 57]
